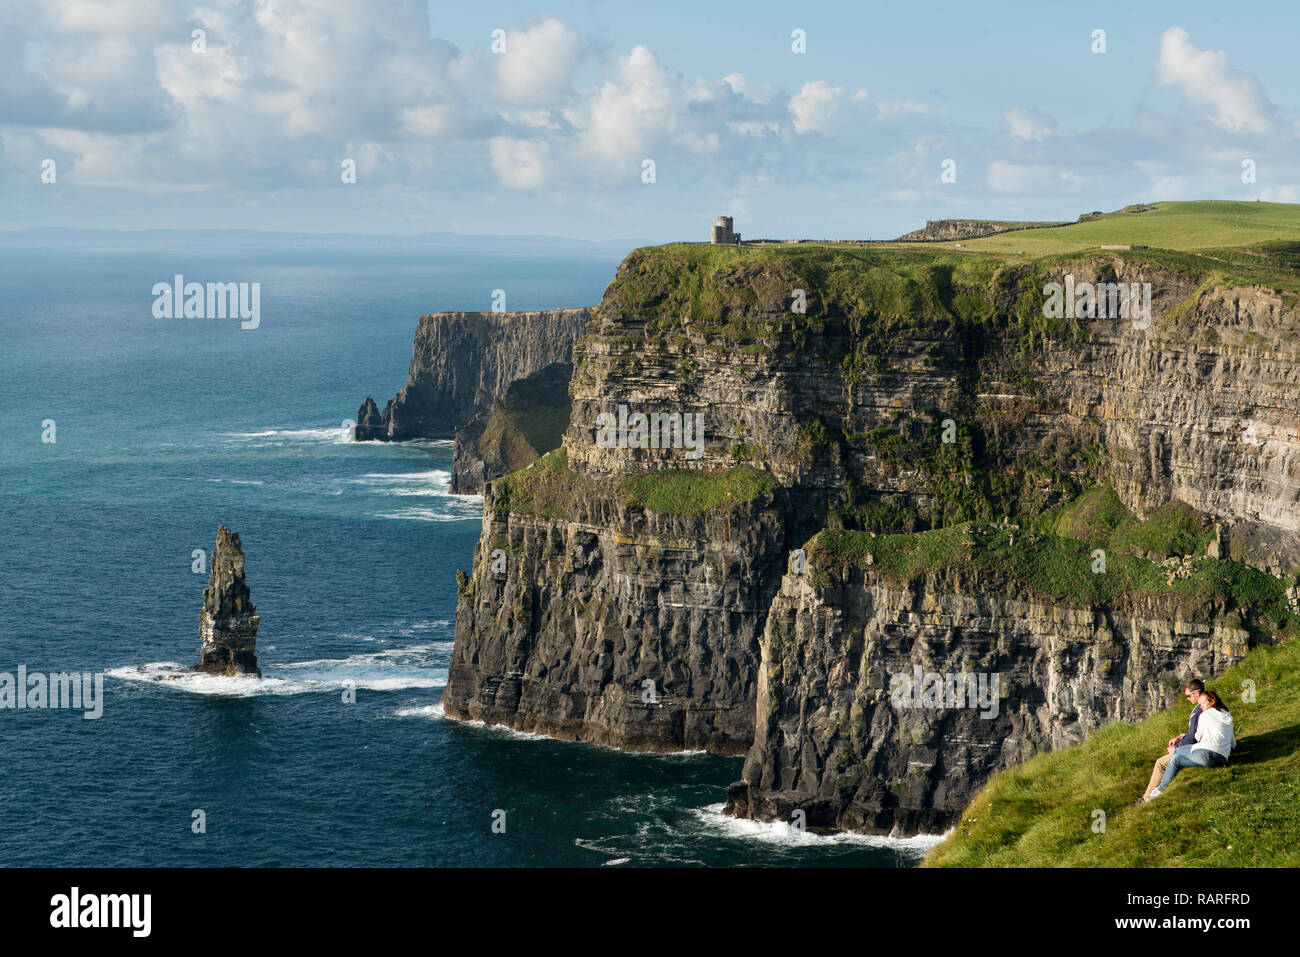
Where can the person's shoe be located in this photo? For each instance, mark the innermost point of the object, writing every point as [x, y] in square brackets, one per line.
[1154, 794]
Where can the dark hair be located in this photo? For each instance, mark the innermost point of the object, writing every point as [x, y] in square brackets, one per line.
[1196, 684]
[1216, 701]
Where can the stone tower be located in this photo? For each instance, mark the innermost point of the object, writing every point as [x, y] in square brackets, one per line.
[228, 622]
[723, 232]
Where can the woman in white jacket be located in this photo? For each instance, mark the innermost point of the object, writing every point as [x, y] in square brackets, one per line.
[1214, 741]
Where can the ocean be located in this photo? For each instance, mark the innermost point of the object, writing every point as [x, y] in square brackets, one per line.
[164, 428]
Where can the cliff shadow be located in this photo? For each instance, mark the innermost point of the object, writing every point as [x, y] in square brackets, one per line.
[1265, 747]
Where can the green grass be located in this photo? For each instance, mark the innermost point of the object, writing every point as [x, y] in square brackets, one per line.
[515, 436]
[1042, 813]
[1059, 568]
[1205, 225]
[1100, 519]
[550, 489]
[684, 492]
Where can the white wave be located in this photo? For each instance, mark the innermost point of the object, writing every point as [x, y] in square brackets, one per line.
[423, 711]
[781, 832]
[325, 433]
[412, 514]
[331, 678]
[430, 484]
[437, 712]
[407, 629]
[616, 861]
[337, 435]
[436, 475]
[409, 654]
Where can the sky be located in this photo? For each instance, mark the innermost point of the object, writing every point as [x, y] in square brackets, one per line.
[603, 120]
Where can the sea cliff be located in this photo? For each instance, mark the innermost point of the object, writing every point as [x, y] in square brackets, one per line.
[644, 596]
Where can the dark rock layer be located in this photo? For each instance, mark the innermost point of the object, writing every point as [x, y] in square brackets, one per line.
[563, 623]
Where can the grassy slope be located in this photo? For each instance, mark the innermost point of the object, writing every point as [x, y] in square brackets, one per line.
[1051, 555]
[1041, 814]
[1186, 226]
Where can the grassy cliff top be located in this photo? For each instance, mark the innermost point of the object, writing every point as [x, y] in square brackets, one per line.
[1043, 813]
[1203, 225]
[1209, 243]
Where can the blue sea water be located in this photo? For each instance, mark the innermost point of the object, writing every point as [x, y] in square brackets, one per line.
[166, 428]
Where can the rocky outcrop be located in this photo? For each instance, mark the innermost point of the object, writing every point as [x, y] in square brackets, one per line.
[849, 732]
[462, 363]
[527, 422]
[228, 621]
[946, 230]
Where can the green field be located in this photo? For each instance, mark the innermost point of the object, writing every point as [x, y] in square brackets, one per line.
[1045, 812]
[1206, 225]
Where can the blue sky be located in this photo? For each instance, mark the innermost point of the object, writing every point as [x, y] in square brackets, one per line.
[551, 133]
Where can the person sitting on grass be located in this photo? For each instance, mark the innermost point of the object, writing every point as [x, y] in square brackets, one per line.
[1192, 690]
[1214, 741]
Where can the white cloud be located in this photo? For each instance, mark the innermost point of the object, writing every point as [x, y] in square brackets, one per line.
[1025, 124]
[741, 85]
[427, 121]
[519, 164]
[891, 109]
[1280, 194]
[814, 105]
[537, 65]
[1231, 99]
[644, 111]
[753, 127]
[1003, 177]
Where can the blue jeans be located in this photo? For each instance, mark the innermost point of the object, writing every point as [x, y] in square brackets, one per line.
[1185, 758]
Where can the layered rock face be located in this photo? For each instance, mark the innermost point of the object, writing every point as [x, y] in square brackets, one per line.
[228, 621]
[618, 626]
[842, 737]
[463, 362]
[1201, 408]
[881, 391]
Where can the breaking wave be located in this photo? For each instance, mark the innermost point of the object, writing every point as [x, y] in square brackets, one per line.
[780, 832]
[393, 670]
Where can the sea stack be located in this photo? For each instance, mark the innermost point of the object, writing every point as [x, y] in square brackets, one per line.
[228, 622]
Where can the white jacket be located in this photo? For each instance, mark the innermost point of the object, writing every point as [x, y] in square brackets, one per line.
[1214, 732]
